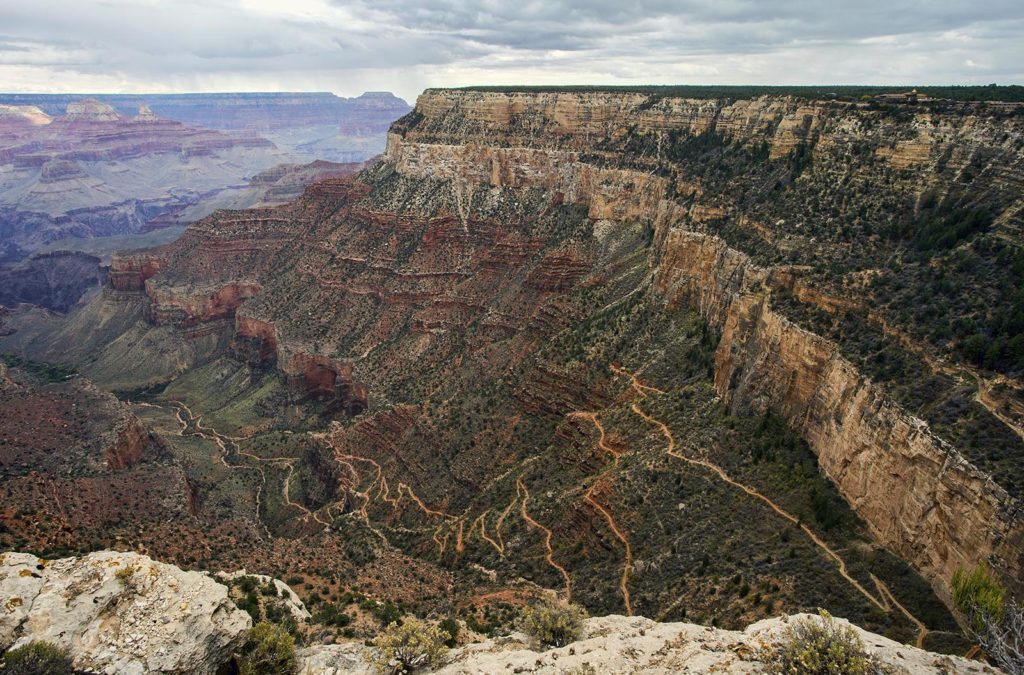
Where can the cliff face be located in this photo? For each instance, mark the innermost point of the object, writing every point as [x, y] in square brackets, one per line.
[920, 496]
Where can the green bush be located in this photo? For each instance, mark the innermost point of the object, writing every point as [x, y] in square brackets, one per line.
[996, 622]
[819, 646]
[552, 623]
[270, 650]
[405, 647]
[977, 594]
[37, 658]
[450, 626]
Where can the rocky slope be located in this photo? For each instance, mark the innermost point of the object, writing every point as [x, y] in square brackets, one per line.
[77, 467]
[630, 346]
[621, 645]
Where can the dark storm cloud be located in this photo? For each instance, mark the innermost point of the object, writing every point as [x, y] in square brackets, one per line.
[347, 45]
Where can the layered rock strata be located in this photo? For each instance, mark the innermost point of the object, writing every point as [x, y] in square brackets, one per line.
[918, 494]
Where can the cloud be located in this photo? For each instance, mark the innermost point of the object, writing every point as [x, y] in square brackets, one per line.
[404, 45]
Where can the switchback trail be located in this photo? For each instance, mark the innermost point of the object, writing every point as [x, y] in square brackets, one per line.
[882, 603]
[525, 494]
[180, 408]
[220, 439]
[612, 525]
[624, 581]
[592, 416]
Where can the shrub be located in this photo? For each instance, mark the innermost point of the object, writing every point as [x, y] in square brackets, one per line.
[37, 658]
[125, 576]
[977, 594]
[387, 613]
[450, 626]
[995, 622]
[402, 648]
[270, 650]
[554, 624]
[819, 646]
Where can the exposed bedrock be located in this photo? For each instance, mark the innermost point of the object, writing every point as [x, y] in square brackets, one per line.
[919, 496]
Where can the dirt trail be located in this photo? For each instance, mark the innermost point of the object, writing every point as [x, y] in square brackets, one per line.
[885, 595]
[525, 494]
[624, 581]
[179, 408]
[890, 599]
[498, 545]
[383, 493]
[592, 416]
[220, 439]
[589, 499]
[640, 387]
[983, 387]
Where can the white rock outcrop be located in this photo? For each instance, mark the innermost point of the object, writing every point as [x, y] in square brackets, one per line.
[618, 645]
[119, 612]
[287, 597]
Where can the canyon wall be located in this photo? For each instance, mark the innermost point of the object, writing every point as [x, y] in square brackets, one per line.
[921, 498]
[502, 243]
[918, 494]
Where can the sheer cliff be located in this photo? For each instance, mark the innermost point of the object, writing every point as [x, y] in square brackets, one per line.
[709, 359]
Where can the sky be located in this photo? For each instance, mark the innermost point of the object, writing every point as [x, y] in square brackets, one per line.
[404, 46]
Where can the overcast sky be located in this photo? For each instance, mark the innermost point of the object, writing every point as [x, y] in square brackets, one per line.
[349, 46]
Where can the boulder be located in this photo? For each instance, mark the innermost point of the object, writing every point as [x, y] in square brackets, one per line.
[119, 612]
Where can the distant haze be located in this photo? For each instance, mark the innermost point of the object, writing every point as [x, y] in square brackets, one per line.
[404, 46]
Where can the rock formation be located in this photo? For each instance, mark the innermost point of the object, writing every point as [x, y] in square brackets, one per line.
[620, 645]
[119, 612]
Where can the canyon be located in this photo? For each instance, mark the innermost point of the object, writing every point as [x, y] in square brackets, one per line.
[74, 169]
[674, 356]
[81, 166]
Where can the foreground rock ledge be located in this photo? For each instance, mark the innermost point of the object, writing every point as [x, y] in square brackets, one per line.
[619, 645]
[125, 613]
[119, 612]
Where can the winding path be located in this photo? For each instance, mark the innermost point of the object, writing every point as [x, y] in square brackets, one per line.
[525, 493]
[624, 581]
[592, 416]
[885, 596]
